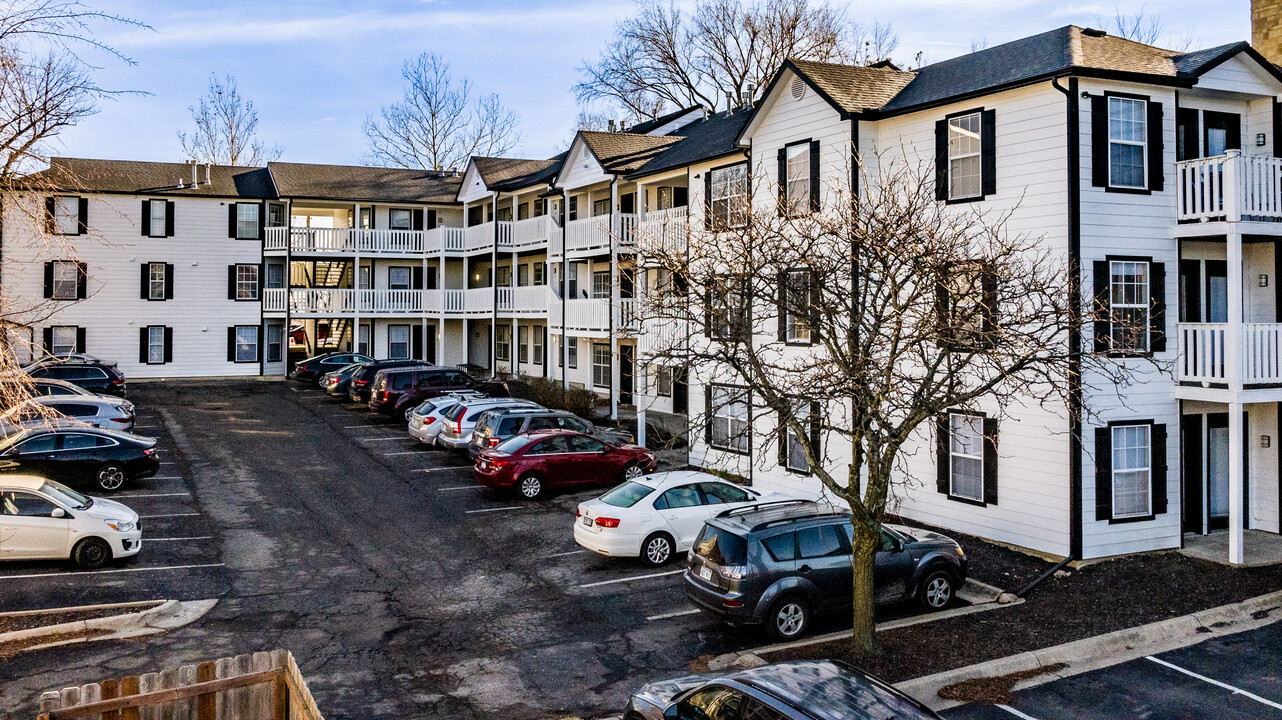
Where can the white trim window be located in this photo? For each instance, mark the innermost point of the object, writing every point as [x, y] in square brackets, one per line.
[965, 167]
[600, 365]
[663, 381]
[536, 345]
[155, 345]
[1132, 471]
[728, 199]
[66, 280]
[362, 343]
[600, 207]
[797, 158]
[503, 343]
[399, 219]
[398, 342]
[159, 211]
[538, 273]
[797, 324]
[966, 456]
[1127, 142]
[523, 343]
[246, 282]
[247, 221]
[276, 276]
[728, 418]
[398, 277]
[66, 215]
[1129, 305]
[246, 343]
[63, 339]
[155, 281]
[572, 352]
[794, 450]
[601, 284]
[522, 275]
[275, 343]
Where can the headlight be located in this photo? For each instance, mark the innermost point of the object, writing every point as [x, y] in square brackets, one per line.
[121, 526]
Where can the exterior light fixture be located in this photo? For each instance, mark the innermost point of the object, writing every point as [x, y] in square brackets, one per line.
[1265, 441]
[1264, 281]
[1259, 139]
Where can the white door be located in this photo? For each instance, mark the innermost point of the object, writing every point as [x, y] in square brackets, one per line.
[27, 529]
[1217, 471]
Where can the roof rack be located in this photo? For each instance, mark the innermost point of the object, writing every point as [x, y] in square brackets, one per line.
[744, 509]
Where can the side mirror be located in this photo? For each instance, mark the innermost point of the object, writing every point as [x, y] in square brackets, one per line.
[58, 513]
[672, 712]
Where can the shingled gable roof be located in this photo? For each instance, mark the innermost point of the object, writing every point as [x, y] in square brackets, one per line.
[360, 183]
[622, 153]
[506, 174]
[701, 140]
[131, 177]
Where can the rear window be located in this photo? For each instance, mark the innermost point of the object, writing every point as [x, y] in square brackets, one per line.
[454, 413]
[627, 494]
[425, 409]
[721, 547]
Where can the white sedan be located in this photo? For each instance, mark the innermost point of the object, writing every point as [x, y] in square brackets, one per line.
[41, 519]
[657, 516]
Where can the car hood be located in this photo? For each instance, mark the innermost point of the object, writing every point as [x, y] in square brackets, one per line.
[104, 509]
[925, 536]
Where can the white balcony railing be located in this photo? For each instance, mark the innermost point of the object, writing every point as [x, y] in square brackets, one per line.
[528, 233]
[594, 315]
[1229, 187]
[452, 301]
[478, 301]
[594, 233]
[1204, 357]
[449, 239]
[664, 232]
[530, 299]
[344, 240]
[274, 300]
[390, 301]
[480, 237]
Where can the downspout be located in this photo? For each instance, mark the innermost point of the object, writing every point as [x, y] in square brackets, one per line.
[494, 290]
[1073, 138]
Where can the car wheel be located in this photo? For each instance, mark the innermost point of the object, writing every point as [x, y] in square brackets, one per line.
[110, 477]
[936, 590]
[632, 471]
[91, 553]
[789, 618]
[657, 549]
[530, 486]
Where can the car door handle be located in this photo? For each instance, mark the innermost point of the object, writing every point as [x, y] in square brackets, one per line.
[804, 569]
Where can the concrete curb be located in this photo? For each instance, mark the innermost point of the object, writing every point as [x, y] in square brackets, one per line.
[168, 615]
[1108, 649]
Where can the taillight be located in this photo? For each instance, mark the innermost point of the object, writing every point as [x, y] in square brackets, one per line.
[732, 603]
[496, 464]
[121, 420]
[118, 381]
[149, 452]
[385, 396]
[607, 522]
[494, 441]
[429, 420]
[578, 512]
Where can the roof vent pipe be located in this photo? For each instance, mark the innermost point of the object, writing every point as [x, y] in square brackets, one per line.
[729, 101]
[195, 182]
[207, 173]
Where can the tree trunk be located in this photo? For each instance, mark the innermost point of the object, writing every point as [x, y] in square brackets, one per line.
[862, 559]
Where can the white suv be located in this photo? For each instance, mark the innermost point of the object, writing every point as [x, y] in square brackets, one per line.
[42, 519]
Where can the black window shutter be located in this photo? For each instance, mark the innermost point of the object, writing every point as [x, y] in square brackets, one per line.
[169, 218]
[783, 180]
[231, 344]
[169, 344]
[1277, 128]
[943, 299]
[49, 279]
[416, 277]
[258, 346]
[416, 219]
[231, 282]
[943, 464]
[814, 176]
[989, 282]
[783, 442]
[262, 222]
[816, 439]
[231, 220]
[707, 312]
[708, 413]
[990, 461]
[82, 226]
[142, 344]
[50, 225]
[707, 200]
[80, 340]
[146, 281]
[1099, 141]
[48, 344]
[146, 217]
[814, 292]
[1156, 181]
[1157, 307]
[941, 160]
[262, 278]
[1101, 306]
[1158, 460]
[1103, 473]
[781, 305]
[169, 281]
[988, 151]
[82, 281]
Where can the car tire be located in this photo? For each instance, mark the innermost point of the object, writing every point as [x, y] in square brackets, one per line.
[91, 553]
[789, 618]
[530, 486]
[631, 471]
[110, 477]
[658, 549]
[936, 591]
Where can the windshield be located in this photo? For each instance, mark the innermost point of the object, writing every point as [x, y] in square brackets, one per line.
[627, 494]
[720, 547]
[66, 495]
[512, 444]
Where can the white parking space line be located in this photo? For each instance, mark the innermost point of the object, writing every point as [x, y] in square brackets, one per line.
[170, 515]
[382, 439]
[144, 427]
[499, 509]
[104, 572]
[168, 462]
[135, 495]
[1217, 683]
[198, 537]
[361, 425]
[631, 579]
[570, 552]
[677, 613]
[166, 477]
[404, 452]
[1016, 713]
[443, 469]
[459, 487]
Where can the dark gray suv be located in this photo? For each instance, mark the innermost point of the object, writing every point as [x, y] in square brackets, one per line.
[498, 425]
[781, 563]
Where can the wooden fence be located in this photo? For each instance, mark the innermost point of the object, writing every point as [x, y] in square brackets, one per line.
[261, 686]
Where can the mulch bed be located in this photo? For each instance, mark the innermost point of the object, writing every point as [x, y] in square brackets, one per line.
[13, 647]
[11, 623]
[1100, 598]
[991, 563]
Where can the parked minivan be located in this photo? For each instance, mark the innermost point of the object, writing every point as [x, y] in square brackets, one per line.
[397, 390]
[781, 563]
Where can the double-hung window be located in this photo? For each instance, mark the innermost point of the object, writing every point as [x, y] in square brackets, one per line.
[537, 345]
[538, 273]
[159, 215]
[601, 207]
[246, 343]
[155, 281]
[155, 345]
[66, 280]
[1132, 471]
[798, 171]
[66, 216]
[1129, 305]
[728, 418]
[275, 215]
[398, 342]
[399, 219]
[727, 190]
[965, 167]
[600, 365]
[63, 339]
[398, 278]
[523, 343]
[728, 315]
[1127, 146]
[247, 221]
[966, 456]
[275, 343]
[601, 284]
[663, 381]
[794, 445]
[246, 282]
[522, 275]
[503, 342]
[796, 307]
[572, 351]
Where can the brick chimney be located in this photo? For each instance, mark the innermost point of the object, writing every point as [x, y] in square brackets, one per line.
[1266, 28]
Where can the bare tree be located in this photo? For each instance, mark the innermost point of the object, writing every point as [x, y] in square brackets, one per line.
[438, 124]
[664, 57]
[1145, 28]
[226, 128]
[906, 308]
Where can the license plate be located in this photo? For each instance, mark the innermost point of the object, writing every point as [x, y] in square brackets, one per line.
[705, 573]
[587, 522]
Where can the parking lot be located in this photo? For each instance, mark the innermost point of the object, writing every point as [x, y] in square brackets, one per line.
[403, 588]
[1227, 678]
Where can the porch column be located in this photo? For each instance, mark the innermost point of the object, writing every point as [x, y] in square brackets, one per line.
[1234, 356]
[641, 390]
[1237, 487]
[565, 288]
[356, 303]
[616, 226]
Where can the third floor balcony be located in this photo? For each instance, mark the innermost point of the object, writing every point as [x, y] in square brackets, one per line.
[1229, 188]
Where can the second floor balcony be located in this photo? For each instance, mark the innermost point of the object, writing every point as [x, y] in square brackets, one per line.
[594, 315]
[1204, 355]
[592, 235]
[344, 241]
[664, 231]
[1231, 187]
[348, 302]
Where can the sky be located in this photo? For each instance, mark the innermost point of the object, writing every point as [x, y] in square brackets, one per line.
[315, 69]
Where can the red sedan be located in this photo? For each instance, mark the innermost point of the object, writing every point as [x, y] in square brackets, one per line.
[559, 458]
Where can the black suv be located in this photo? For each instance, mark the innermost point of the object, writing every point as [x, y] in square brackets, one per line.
[781, 563]
[358, 388]
[495, 426]
[399, 389]
[98, 378]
